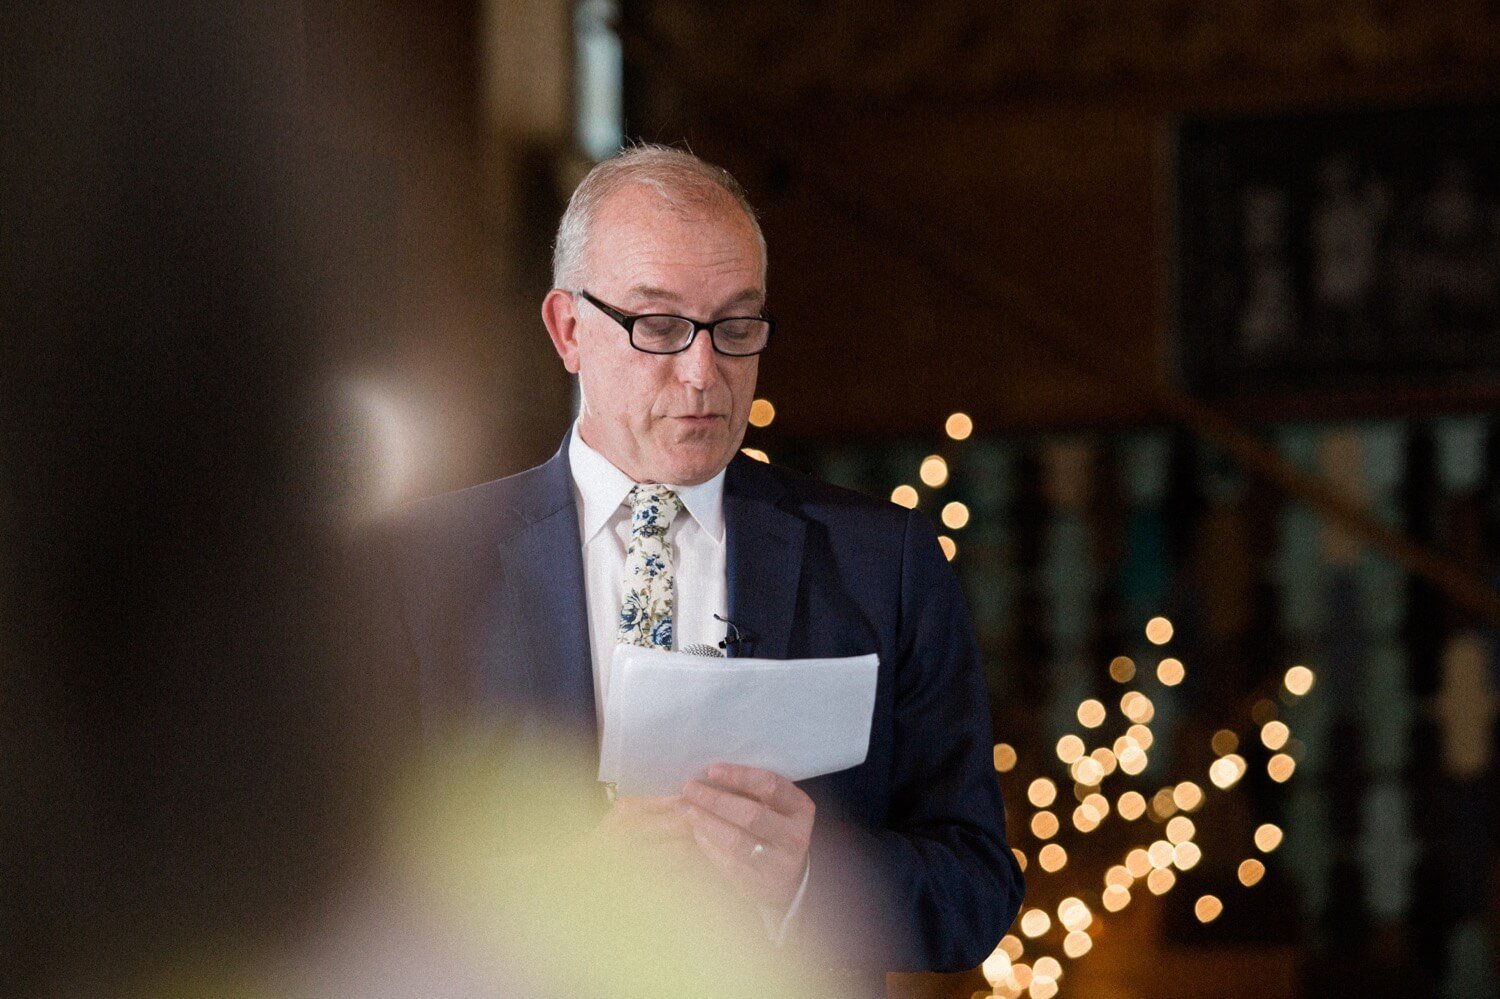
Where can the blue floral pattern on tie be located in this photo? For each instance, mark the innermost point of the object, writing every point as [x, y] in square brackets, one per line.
[647, 602]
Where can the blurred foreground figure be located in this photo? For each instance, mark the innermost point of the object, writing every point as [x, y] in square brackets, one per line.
[650, 528]
[197, 751]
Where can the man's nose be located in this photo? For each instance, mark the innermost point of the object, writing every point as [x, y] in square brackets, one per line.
[698, 366]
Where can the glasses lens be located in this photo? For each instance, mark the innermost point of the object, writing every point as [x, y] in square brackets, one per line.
[661, 334]
[742, 336]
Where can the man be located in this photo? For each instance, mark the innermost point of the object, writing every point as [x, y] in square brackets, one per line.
[650, 527]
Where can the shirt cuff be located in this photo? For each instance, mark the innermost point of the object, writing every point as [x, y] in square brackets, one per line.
[777, 924]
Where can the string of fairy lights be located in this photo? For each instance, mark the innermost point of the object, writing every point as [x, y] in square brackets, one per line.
[1162, 837]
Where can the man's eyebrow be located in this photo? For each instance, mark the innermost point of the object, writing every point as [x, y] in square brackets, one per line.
[649, 293]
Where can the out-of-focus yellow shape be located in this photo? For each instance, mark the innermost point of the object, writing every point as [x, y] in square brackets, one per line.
[1160, 853]
[1162, 804]
[1070, 749]
[1073, 914]
[1226, 771]
[1141, 734]
[1098, 804]
[1273, 735]
[1077, 944]
[955, 515]
[1188, 796]
[1005, 757]
[1085, 819]
[1043, 987]
[1160, 881]
[1137, 707]
[904, 495]
[1105, 757]
[1042, 792]
[1138, 862]
[1170, 671]
[1119, 875]
[1122, 669]
[762, 413]
[1267, 837]
[1180, 829]
[1299, 680]
[1035, 922]
[1020, 859]
[1225, 742]
[1159, 631]
[1207, 908]
[959, 426]
[1116, 897]
[1012, 947]
[1091, 713]
[934, 471]
[1088, 772]
[756, 453]
[996, 967]
[1044, 825]
[1185, 856]
[1047, 965]
[949, 546]
[1131, 805]
[1251, 871]
[1052, 857]
[1280, 767]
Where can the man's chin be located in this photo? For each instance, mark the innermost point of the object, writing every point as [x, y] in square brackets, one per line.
[692, 463]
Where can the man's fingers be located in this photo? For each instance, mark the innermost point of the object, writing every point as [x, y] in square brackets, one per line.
[751, 815]
[765, 786]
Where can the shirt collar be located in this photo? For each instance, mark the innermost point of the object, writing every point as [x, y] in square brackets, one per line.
[601, 489]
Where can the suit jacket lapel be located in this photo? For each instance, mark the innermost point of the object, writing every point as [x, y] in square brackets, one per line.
[544, 585]
[764, 559]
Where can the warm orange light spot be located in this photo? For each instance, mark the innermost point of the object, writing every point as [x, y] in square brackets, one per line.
[762, 413]
[959, 426]
[904, 495]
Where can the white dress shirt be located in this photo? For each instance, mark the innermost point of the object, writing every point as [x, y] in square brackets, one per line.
[696, 538]
[699, 567]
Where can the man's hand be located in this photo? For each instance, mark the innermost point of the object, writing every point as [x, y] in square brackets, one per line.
[755, 827]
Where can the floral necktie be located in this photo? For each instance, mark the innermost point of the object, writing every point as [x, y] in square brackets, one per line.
[646, 606]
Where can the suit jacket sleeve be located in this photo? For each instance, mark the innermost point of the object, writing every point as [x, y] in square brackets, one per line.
[938, 887]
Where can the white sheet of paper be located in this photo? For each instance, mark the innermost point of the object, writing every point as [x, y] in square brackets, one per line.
[668, 715]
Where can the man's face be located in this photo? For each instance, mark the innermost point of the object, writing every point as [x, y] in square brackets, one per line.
[674, 418]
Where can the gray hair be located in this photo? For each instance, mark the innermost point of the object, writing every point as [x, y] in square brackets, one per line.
[681, 179]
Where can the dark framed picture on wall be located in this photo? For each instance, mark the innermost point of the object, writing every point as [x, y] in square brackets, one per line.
[1350, 255]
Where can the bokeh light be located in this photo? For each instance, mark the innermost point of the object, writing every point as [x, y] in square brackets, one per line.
[1299, 680]
[1044, 825]
[904, 495]
[1207, 908]
[1267, 837]
[1122, 669]
[1005, 757]
[1035, 922]
[1052, 858]
[762, 413]
[1131, 805]
[958, 426]
[1159, 631]
[1091, 713]
[1251, 871]
[933, 471]
[1225, 742]
[1273, 735]
[1070, 749]
[1170, 671]
[949, 546]
[955, 516]
[1042, 792]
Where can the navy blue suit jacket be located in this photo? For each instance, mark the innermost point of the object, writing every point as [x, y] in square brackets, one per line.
[910, 867]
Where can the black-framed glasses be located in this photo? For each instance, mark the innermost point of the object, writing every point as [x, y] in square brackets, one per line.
[663, 333]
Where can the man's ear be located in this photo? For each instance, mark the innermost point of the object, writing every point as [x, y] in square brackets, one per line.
[561, 319]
